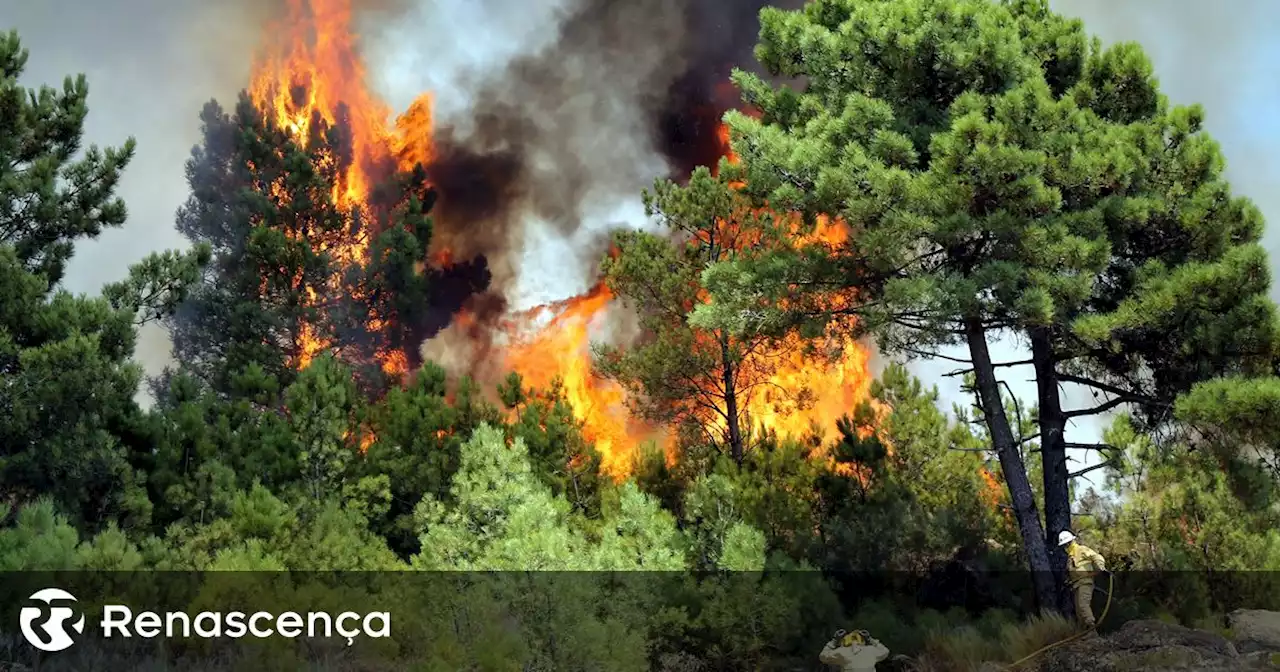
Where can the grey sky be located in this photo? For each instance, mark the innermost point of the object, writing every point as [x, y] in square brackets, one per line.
[152, 63]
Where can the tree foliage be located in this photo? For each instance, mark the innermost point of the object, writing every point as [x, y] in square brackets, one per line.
[994, 171]
[679, 374]
[68, 420]
[999, 171]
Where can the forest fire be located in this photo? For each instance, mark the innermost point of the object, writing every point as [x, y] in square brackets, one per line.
[561, 349]
[320, 72]
[320, 75]
[836, 383]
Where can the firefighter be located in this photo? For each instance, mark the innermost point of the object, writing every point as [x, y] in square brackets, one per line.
[855, 651]
[1082, 563]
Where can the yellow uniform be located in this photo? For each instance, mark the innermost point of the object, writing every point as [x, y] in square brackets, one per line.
[1082, 563]
[854, 657]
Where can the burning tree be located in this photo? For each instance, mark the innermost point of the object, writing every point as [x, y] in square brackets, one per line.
[1003, 174]
[319, 218]
[287, 283]
[681, 375]
[725, 383]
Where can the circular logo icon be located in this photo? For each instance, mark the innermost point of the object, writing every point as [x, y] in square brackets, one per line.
[45, 625]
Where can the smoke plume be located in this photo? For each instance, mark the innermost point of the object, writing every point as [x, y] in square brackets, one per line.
[539, 155]
[564, 108]
[556, 143]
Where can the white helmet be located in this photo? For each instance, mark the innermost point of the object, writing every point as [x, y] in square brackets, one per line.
[1065, 537]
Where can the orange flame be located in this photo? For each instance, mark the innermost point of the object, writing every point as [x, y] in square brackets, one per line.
[836, 383]
[992, 493]
[317, 73]
[561, 349]
[840, 380]
[320, 74]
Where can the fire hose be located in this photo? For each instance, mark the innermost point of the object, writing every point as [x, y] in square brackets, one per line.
[1072, 638]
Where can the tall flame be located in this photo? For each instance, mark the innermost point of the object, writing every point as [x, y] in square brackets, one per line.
[317, 73]
[561, 349]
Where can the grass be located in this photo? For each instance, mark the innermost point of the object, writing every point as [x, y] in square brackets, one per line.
[1023, 639]
[965, 649]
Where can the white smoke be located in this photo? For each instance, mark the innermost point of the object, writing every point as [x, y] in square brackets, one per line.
[442, 46]
[457, 49]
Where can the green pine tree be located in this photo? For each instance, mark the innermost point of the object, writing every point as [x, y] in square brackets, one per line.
[69, 425]
[1001, 173]
[679, 374]
[262, 202]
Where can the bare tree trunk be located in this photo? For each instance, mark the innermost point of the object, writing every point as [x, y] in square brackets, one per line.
[1011, 464]
[1053, 454]
[736, 448]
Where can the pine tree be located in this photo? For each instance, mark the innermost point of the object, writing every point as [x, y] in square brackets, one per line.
[924, 126]
[680, 374]
[296, 272]
[1001, 173]
[69, 425]
[561, 456]
[262, 202]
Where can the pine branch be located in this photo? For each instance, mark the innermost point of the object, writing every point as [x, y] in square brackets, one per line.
[1082, 472]
[1100, 447]
[1101, 408]
[1104, 387]
[933, 355]
[994, 365]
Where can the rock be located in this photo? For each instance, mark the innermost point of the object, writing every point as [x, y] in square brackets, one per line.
[1255, 629]
[1262, 660]
[1149, 646]
[1153, 634]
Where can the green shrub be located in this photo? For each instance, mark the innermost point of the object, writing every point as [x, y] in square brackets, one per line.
[1165, 616]
[1022, 639]
[961, 650]
[995, 638]
[888, 625]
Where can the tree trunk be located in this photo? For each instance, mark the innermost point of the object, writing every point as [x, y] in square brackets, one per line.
[1053, 454]
[730, 401]
[1015, 472]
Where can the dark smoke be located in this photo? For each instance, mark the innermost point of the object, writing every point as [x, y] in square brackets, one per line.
[479, 178]
[625, 93]
[455, 287]
[686, 128]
